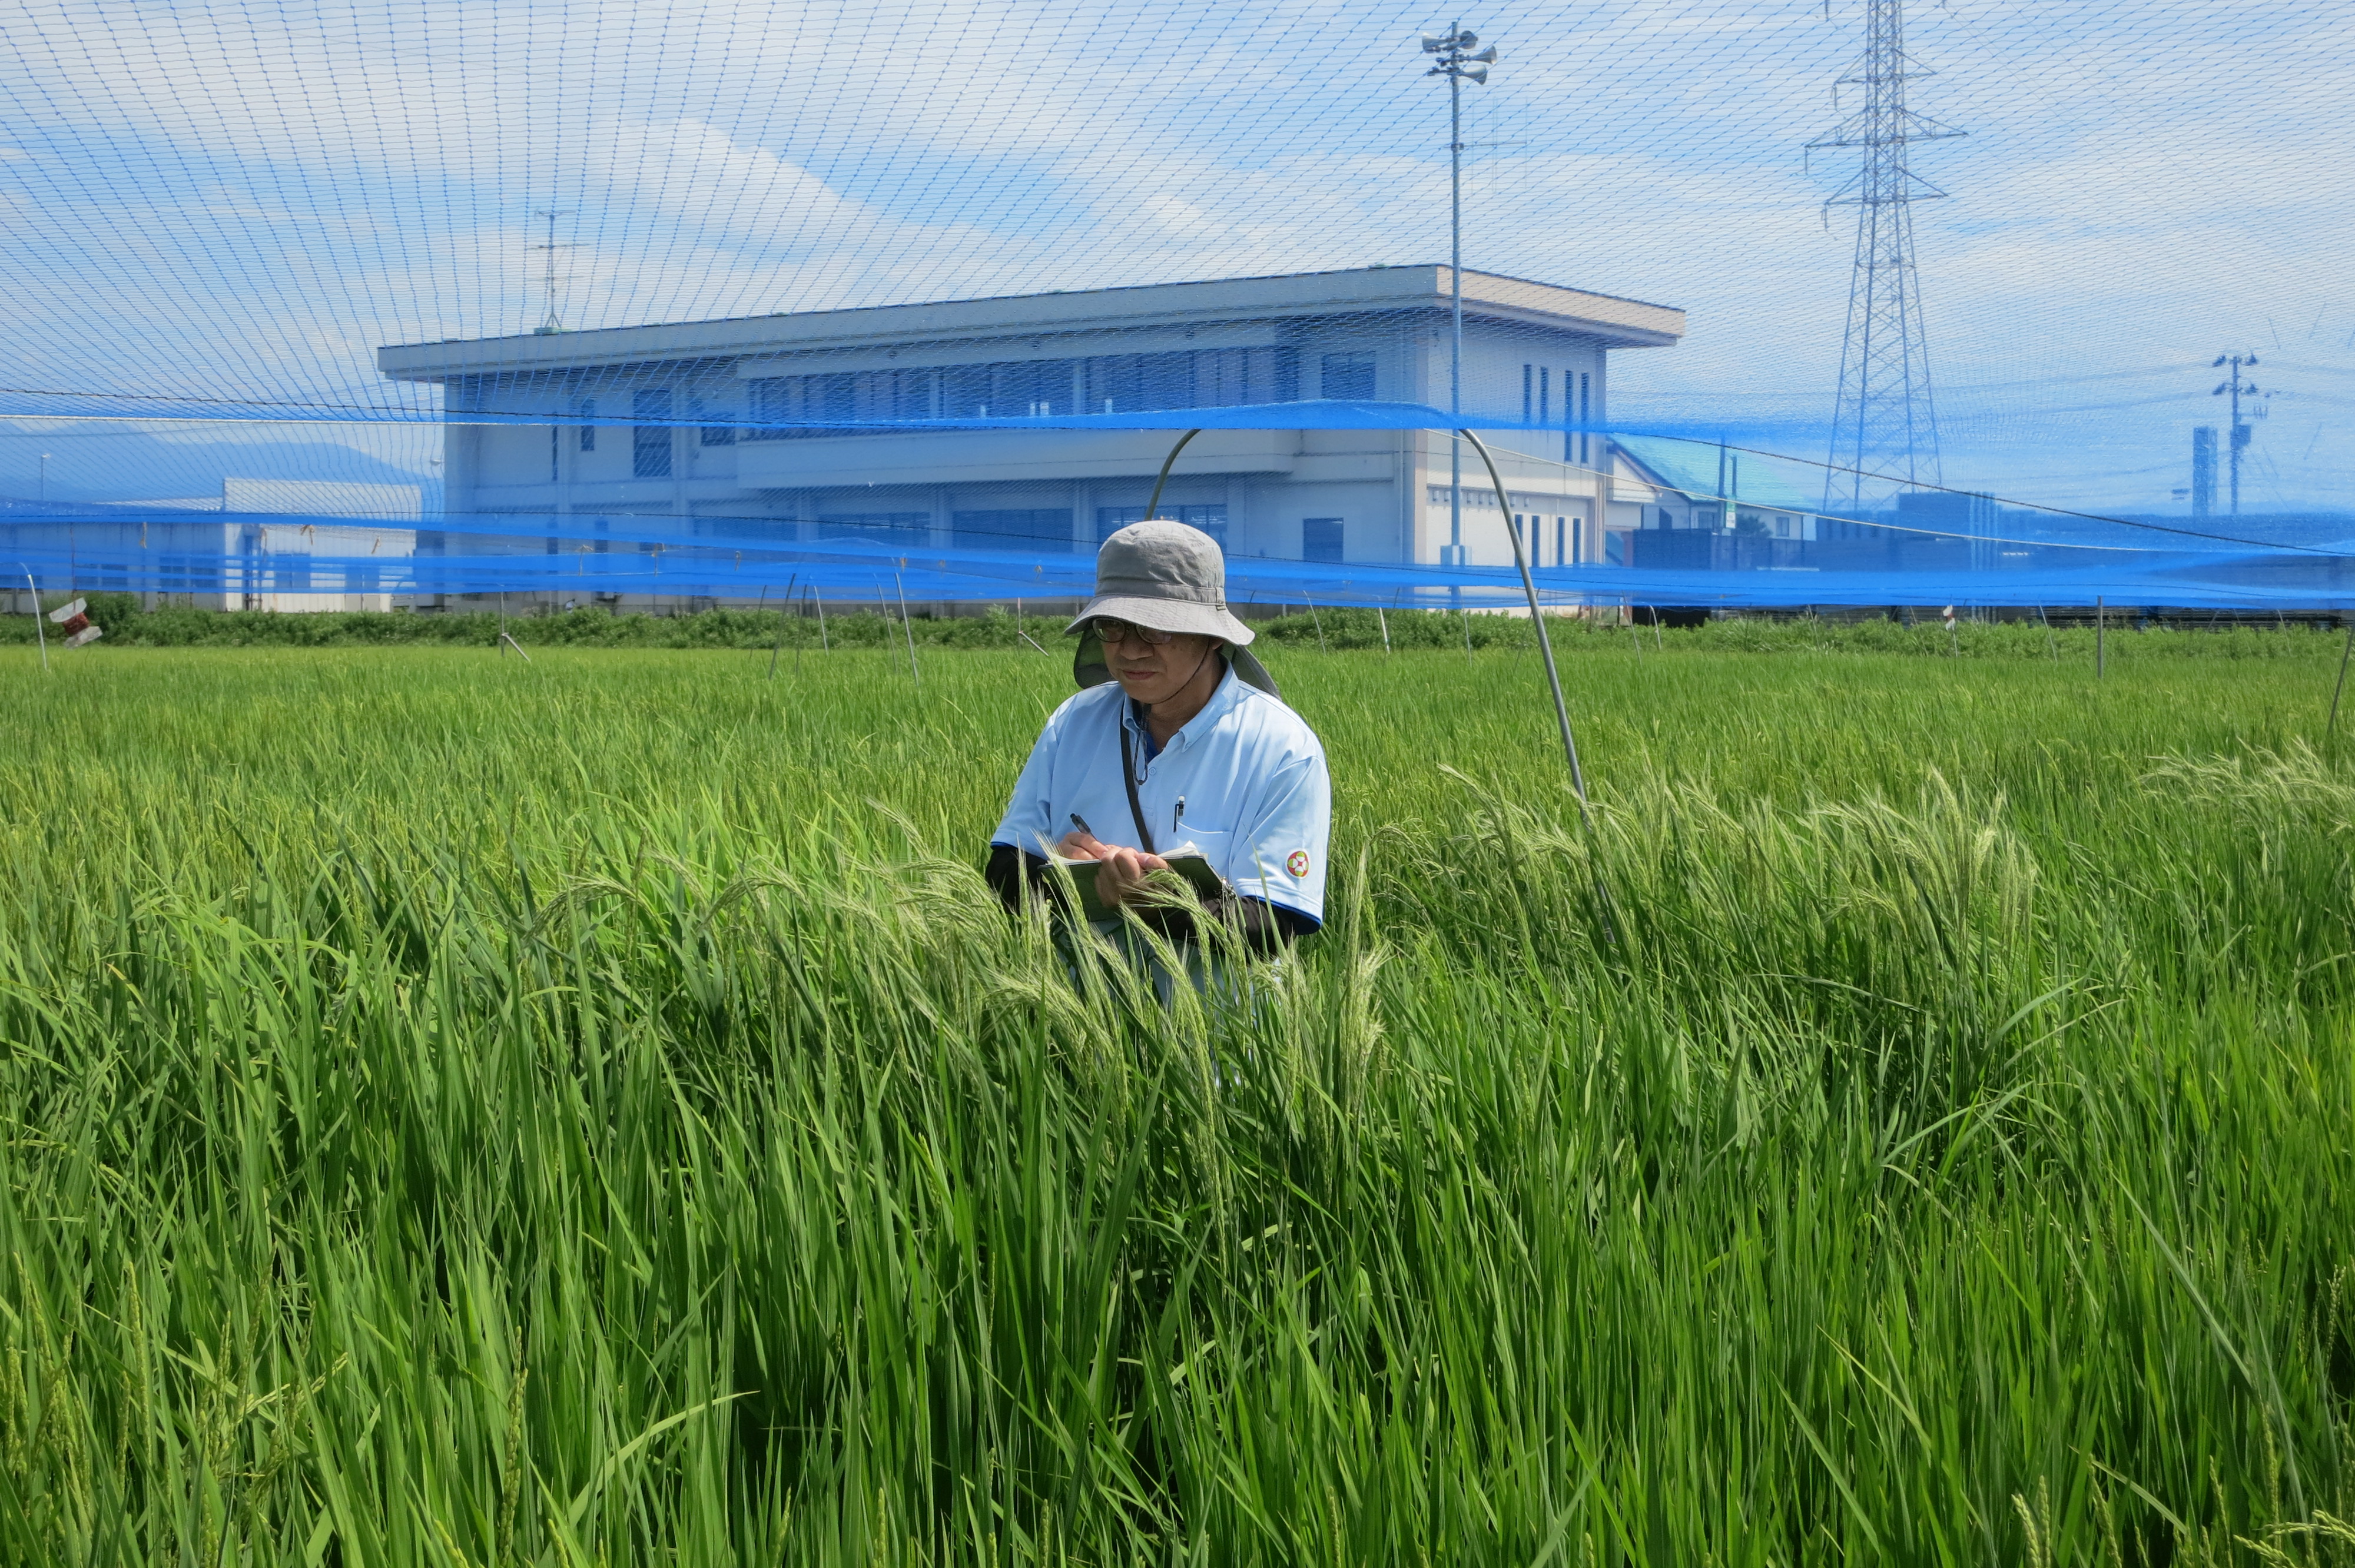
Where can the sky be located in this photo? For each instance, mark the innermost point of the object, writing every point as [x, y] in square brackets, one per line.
[242, 201]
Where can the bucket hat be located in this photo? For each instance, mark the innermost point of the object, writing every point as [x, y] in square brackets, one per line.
[1165, 576]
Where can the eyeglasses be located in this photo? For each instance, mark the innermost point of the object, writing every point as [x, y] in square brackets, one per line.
[1110, 630]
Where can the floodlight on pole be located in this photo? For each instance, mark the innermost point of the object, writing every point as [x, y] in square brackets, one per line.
[1459, 65]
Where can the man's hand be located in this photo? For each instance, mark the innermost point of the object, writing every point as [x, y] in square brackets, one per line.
[1077, 845]
[1123, 871]
[1120, 870]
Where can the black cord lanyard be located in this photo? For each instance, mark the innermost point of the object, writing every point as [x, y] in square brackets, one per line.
[1128, 756]
[1128, 777]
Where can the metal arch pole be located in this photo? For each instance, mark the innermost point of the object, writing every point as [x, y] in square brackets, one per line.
[1456, 328]
[1545, 643]
[1153, 506]
[780, 647]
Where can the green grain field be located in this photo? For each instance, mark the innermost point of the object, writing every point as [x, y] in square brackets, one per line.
[460, 1111]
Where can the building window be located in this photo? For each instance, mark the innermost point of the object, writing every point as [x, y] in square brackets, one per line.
[1027, 529]
[1584, 407]
[650, 443]
[1348, 376]
[879, 527]
[713, 435]
[1203, 378]
[1210, 518]
[1545, 396]
[1129, 383]
[790, 408]
[1020, 390]
[588, 411]
[1561, 546]
[1529, 391]
[797, 408]
[1615, 547]
[555, 445]
[1320, 539]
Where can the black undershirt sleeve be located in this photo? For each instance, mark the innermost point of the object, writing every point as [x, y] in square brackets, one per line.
[1266, 928]
[1010, 871]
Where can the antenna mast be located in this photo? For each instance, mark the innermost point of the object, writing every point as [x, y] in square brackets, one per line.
[1884, 424]
[553, 324]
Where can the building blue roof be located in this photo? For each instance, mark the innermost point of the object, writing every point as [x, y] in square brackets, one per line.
[1692, 467]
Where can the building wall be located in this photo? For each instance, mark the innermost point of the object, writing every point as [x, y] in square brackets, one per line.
[1279, 490]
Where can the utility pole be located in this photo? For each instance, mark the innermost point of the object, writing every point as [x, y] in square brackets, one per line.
[1458, 65]
[552, 324]
[2237, 387]
[1884, 423]
[74, 565]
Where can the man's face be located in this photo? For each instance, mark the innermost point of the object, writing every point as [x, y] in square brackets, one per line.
[1153, 673]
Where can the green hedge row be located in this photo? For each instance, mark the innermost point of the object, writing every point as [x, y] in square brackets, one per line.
[1336, 629]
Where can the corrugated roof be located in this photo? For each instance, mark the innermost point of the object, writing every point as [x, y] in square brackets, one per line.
[1692, 467]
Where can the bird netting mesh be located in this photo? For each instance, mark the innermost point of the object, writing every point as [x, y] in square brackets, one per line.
[1761, 301]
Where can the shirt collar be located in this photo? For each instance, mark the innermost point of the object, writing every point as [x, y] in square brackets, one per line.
[1228, 694]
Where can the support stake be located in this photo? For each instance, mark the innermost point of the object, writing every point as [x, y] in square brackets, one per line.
[2100, 638]
[2338, 690]
[39, 634]
[908, 630]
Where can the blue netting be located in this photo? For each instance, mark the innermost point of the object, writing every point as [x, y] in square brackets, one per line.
[411, 302]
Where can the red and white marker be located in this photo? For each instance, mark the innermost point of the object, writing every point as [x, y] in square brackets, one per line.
[76, 625]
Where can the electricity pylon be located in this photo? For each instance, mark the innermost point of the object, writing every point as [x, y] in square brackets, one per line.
[552, 324]
[1884, 423]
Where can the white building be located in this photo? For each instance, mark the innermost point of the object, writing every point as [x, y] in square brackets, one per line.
[696, 393]
[342, 546]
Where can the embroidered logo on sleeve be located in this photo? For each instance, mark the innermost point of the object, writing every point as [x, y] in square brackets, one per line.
[1297, 862]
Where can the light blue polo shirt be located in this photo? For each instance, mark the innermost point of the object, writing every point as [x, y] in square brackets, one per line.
[1244, 781]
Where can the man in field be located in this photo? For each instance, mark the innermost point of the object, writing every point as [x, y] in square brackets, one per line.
[1177, 741]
